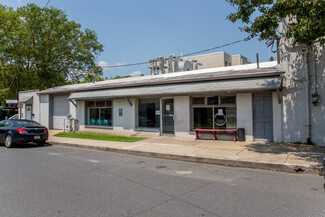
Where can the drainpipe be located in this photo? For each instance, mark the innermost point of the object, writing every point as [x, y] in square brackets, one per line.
[315, 71]
[307, 85]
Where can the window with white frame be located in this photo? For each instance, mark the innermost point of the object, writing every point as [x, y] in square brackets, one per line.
[99, 113]
[214, 112]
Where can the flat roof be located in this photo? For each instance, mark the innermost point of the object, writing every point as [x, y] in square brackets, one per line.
[221, 73]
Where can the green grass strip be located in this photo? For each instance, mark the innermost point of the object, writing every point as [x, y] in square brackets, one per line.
[99, 137]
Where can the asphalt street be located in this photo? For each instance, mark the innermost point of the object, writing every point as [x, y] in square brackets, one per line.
[62, 181]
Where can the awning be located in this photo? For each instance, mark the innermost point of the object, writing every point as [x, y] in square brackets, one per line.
[26, 99]
[237, 85]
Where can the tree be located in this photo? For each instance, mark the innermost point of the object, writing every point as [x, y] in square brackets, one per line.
[116, 77]
[271, 58]
[262, 18]
[40, 47]
[90, 78]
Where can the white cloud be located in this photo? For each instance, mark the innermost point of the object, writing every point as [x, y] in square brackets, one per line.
[103, 64]
[136, 73]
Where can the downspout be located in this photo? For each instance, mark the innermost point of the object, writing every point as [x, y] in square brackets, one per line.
[315, 71]
[307, 85]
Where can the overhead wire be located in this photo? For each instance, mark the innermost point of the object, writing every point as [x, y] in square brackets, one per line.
[47, 3]
[185, 55]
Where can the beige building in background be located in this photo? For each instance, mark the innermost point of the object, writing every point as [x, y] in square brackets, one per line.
[219, 59]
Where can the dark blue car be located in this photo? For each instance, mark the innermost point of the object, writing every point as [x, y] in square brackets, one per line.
[22, 131]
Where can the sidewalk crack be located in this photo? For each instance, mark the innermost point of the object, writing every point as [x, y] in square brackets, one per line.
[286, 158]
[240, 151]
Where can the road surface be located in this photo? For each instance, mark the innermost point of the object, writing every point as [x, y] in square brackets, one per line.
[61, 181]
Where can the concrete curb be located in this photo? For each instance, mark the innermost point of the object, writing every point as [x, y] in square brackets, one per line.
[289, 168]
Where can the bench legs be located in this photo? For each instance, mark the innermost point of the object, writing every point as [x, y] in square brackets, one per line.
[214, 134]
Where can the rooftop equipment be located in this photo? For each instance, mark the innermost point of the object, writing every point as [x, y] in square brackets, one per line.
[174, 64]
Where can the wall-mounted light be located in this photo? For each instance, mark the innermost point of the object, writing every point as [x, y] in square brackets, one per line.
[315, 100]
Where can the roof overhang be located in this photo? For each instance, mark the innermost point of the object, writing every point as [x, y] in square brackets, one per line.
[26, 99]
[224, 86]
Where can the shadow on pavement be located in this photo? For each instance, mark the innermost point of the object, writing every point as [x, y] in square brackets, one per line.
[29, 145]
[310, 153]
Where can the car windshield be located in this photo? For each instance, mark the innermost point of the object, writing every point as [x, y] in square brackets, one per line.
[16, 116]
[27, 123]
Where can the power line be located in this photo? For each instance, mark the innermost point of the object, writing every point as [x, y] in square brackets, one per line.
[214, 48]
[47, 3]
[185, 55]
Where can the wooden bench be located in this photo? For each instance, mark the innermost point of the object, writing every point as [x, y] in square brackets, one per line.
[214, 132]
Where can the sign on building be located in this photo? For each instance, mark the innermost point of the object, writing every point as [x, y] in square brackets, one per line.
[11, 101]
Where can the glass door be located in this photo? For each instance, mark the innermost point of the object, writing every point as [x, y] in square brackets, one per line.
[168, 116]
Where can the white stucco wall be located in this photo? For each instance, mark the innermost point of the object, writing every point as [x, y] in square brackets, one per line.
[45, 110]
[36, 108]
[245, 114]
[182, 116]
[127, 120]
[296, 63]
[318, 112]
[277, 116]
[72, 109]
[22, 112]
[34, 104]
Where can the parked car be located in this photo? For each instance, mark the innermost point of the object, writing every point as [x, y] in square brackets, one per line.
[22, 131]
[14, 117]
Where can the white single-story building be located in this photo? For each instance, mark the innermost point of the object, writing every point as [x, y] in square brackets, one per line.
[280, 101]
[243, 96]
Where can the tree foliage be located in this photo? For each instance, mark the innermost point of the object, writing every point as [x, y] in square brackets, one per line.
[91, 78]
[40, 47]
[262, 18]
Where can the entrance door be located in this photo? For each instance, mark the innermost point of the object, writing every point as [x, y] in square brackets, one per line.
[168, 116]
[263, 117]
[29, 112]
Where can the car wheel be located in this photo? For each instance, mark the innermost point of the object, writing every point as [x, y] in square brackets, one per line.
[40, 143]
[8, 141]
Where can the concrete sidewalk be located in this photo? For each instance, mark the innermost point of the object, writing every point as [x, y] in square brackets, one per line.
[285, 157]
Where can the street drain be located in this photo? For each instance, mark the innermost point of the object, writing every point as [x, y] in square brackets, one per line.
[299, 170]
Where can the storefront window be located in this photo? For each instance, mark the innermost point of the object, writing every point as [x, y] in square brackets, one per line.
[228, 100]
[219, 112]
[213, 100]
[149, 113]
[198, 101]
[203, 118]
[99, 113]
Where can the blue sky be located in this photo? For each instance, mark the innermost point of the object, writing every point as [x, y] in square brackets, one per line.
[138, 30]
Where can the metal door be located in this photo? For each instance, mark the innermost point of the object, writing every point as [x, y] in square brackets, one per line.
[262, 117]
[60, 111]
[168, 116]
